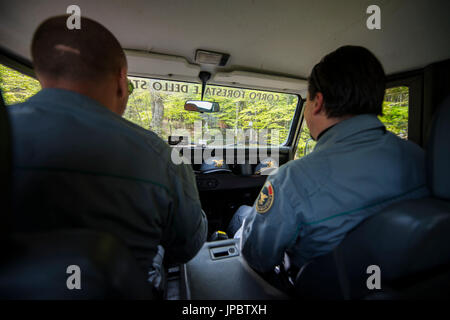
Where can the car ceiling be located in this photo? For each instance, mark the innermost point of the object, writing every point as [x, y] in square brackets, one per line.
[284, 38]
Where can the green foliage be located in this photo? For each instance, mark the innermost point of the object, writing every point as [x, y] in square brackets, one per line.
[137, 110]
[395, 118]
[16, 87]
[395, 111]
[305, 143]
[142, 103]
[240, 113]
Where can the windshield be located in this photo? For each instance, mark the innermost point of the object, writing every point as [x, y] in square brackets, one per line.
[244, 117]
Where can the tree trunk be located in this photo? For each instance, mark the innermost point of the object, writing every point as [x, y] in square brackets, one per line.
[157, 114]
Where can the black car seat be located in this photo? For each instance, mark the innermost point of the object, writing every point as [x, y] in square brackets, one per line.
[38, 265]
[409, 242]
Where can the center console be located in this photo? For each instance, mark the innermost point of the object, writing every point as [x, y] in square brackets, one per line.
[219, 272]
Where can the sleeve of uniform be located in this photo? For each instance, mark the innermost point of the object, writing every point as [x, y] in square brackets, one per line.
[270, 228]
[187, 227]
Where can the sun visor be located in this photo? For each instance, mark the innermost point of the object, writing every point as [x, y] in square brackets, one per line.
[161, 66]
[169, 67]
[260, 81]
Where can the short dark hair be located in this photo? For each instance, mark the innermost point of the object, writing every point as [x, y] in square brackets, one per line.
[352, 82]
[89, 53]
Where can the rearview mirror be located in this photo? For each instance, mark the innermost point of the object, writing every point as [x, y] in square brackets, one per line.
[201, 106]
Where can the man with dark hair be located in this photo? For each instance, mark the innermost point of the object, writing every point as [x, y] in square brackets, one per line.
[356, 169]
[352, 81]
[78, 163]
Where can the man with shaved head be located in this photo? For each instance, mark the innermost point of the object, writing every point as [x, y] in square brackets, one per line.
[89, 61]
[78, 163]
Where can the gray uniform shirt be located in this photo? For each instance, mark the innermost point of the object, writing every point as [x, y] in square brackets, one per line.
[77, 164]
[306, 208]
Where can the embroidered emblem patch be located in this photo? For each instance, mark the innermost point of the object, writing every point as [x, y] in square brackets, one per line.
[265, 198]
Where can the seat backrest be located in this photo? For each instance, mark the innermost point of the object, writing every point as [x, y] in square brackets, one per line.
[5, 171]
[35, 265]
[438, 153]
[47, 265]
[409, 241]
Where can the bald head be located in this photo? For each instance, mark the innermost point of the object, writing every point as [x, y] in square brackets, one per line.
[90, 60]
[91, 52]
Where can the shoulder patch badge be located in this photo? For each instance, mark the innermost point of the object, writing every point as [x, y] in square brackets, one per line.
[265, 198]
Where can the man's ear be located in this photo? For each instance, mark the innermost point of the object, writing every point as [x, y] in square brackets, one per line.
[122, 88]
[318, 105]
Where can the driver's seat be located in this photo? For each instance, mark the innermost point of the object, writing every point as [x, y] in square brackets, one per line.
[409, 242]
[43, 265]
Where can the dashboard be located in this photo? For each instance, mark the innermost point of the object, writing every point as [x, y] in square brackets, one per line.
[224, 188]
[225, 185]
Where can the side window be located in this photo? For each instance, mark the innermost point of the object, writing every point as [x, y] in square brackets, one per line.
[395, 118]
[306, 144]
[16, 87]
[395, 111]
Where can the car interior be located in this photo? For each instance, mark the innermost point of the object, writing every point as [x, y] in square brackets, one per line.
[266, 50]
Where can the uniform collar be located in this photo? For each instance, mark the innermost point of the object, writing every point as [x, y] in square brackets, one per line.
[349, 127]
[63, 98]
[323, 132]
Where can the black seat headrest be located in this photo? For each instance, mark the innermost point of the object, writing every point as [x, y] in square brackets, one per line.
[438, 152]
